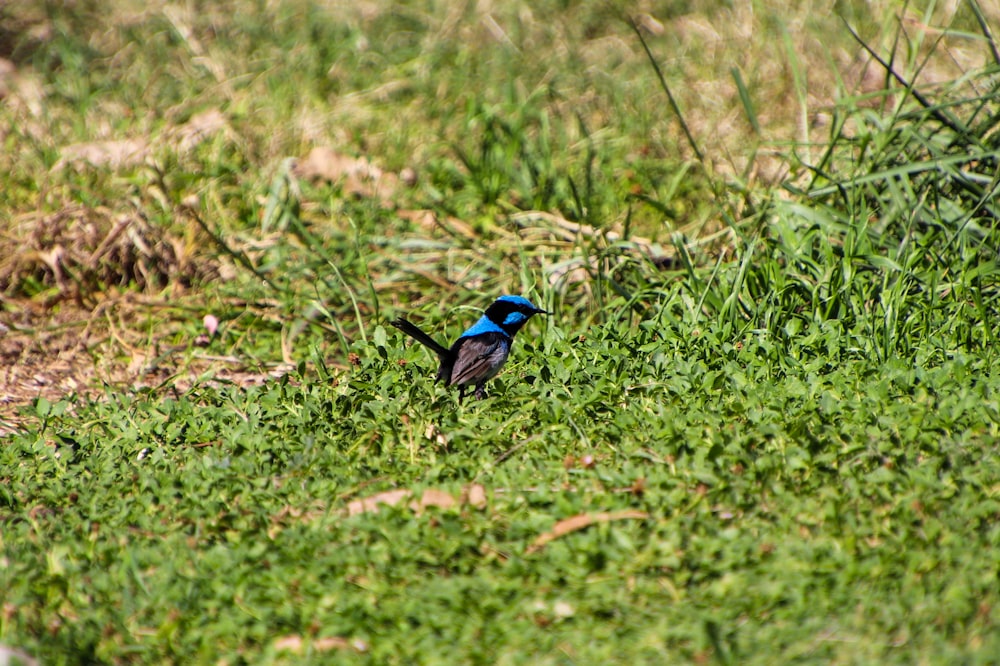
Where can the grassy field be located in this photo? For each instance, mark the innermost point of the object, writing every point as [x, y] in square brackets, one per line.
[759, 427]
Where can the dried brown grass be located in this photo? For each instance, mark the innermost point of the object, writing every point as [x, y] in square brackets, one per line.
[79, 251]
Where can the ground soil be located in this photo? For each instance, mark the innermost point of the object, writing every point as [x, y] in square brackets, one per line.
[78, 353]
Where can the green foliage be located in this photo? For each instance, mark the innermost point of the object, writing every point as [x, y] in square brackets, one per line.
[802, 508]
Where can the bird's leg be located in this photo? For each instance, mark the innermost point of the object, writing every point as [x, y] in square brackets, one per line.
[481, 391]
[461, 393]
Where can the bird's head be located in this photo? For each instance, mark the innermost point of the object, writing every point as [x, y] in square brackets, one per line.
[512, 312]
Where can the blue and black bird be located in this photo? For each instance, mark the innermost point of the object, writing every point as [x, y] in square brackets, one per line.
[480, 352]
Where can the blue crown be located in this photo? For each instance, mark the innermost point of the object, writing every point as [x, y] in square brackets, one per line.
[517, 300]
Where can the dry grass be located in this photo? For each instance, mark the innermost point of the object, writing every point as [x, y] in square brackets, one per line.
[79, 252]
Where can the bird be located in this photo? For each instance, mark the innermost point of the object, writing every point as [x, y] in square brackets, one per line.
[479, 353]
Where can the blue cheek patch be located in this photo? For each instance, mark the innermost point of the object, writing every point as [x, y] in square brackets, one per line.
[515, 318]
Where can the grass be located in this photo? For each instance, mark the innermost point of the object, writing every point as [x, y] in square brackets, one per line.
[760, 427]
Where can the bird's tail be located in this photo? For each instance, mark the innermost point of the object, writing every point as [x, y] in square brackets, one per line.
[414, 332]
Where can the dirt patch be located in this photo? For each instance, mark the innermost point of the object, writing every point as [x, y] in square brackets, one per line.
[75, 353]
[43, 353]
[88, 295]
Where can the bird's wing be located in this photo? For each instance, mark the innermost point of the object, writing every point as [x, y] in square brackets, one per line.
[479, 357]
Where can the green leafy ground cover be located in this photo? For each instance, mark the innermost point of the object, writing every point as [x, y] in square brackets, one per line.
[760, 427]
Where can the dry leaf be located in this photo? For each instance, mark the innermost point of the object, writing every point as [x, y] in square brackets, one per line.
[113, 154]
[579, 522]
[297, 644]
[370, 504]
[473, 495]
[327, 164]
[356, 175]
[436, 498]
[291, 643]
[199, 127]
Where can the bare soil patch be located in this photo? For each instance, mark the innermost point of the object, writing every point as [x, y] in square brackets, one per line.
[77, 353]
